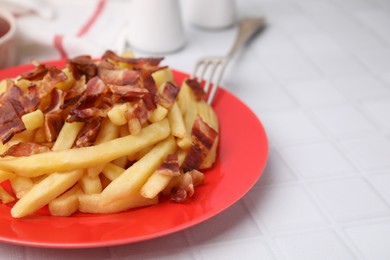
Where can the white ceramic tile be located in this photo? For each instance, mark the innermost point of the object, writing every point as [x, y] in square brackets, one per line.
[263, 97]
[276, 171]
[12, 251]
[351, 199]
[252, 249]
[163, 248]
[280, 208]
[290, 126]
[289, 67]
[317, 160]
[361, 87]
[343, 120]
[368, 153]
[382, 183]
[323, 244]
[377, 60]
[314, 92]
[63, 254]
[377, 20]
[235, 223]
[296, 24]
[372, 239]
[379, 111]
[336, 64]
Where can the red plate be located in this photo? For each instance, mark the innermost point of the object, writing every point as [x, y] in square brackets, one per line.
[242, 157]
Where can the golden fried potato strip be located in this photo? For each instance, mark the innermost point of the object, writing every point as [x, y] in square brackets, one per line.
[85, 157]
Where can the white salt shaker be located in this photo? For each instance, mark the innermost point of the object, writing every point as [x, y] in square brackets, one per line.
[156, 26]
[211, 14]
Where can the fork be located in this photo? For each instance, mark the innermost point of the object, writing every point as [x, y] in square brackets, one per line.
[248, 27]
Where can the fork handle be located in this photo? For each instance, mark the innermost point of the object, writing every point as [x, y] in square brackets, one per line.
[248, 27]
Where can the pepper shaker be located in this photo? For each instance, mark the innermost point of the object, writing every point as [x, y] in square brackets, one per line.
[156, 26]
[211, 14]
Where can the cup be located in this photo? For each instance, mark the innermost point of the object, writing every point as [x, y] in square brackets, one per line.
[156, 26]
[212, 14]
[7, 39]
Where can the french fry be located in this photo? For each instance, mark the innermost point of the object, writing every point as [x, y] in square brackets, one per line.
[155, 184]
[6, 176]
[84, 157]
[162, 76]
[208, 115]
[112, 171]
[67, 136]
[90, 184]
[176, 121]
[161, 177]
[21, 185]
[33, 120]
[158, 114]
[45, 191]
[67, 203]
[137, 174]
[108, 131]
[69, 82]
[92, 203]
[117, 114]
[5, 197]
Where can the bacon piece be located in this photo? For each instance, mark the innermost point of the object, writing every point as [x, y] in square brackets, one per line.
[119, 77]
[83, 66]
[197, 89]
[52, 125]
[203, 137]
[183, 190]
[137, 63]
[94, 102]
[25, 149]
[128, 93]
[10, 122]
[138, 111]
[89, 132]
[168, 95]
[72, 95]
[170, 166]
[55, 101]
[41, 71]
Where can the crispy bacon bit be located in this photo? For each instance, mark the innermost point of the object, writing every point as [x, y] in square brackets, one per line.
[203, 137]
[128, 93]
[138, 111]
[52, 125]
[55, 101]
[89, 132]
[119, 77]
[72, 95]
[137, 63]
[54, 74]
[83, 66]
[93, 103]
[183, 190]
[170, 166]
[197, 177]
[168, 95]
[10, 122]
[25, 149]
[197, 89]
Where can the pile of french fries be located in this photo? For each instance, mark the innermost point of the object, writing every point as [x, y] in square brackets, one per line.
[119, 171]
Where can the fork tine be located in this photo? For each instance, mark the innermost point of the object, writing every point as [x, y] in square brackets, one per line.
[221, 65]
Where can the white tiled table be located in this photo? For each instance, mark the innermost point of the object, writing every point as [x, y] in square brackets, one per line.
[319, 80]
